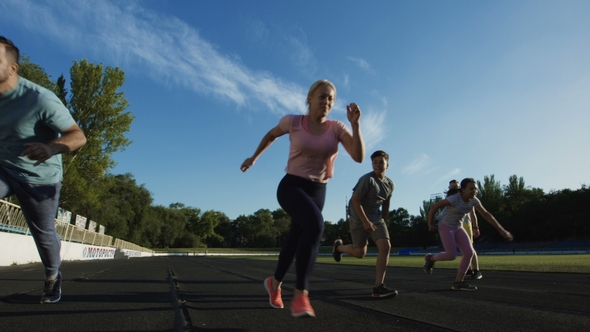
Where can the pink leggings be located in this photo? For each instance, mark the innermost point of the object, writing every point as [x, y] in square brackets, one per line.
[453, 237]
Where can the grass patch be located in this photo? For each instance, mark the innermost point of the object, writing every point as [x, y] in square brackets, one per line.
[575, 263]
[220, 250]
[520, 263]
[322, 250]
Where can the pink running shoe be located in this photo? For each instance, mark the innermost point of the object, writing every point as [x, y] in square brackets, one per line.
[274, 297]
[300, 307]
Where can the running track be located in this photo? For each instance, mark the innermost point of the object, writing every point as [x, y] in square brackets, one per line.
[226, 294]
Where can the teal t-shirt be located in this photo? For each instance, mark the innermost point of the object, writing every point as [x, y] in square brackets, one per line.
[30, 113]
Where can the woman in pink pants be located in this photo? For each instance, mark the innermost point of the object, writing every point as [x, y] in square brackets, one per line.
[458, 204]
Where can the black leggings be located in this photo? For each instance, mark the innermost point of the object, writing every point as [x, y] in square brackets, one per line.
[303, 200]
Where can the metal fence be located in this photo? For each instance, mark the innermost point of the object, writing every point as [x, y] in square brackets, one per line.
[12, 220]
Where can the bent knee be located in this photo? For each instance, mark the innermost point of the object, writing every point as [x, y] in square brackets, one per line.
[383, 244]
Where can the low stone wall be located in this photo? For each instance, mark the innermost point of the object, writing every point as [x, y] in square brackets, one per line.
[19, 249]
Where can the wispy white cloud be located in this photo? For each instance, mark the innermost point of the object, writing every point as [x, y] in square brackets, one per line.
[373, 120]
[301, 55]
[380, 98]
[448, 177]
[257, 31]
[372, 128]
[346, 81]
[362, 63]
[168, 49]
[421, 165]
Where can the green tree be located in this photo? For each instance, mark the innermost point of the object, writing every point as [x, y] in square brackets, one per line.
[35, 73]
[61, 91]
[339, 230]
[398, 224]
[242, 231]
[426, 205]
[100, 109]
[257, 230]
[281, 225]
[153, 226]
[174, 221]
[491, 195]
[227, 230]
[514, 194]
[187, 238]
[419, 225]
[207, 225]
[492, 198]
[261, 223]
[112, 217]
[122, 194]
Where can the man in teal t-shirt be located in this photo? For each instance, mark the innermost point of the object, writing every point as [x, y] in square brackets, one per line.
[35, 129]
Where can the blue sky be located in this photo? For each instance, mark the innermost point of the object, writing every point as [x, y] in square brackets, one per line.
[450, 89]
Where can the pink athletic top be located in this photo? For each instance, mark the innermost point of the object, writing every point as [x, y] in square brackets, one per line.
[312, 156]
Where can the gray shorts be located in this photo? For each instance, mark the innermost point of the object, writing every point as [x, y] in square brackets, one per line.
[360, 236]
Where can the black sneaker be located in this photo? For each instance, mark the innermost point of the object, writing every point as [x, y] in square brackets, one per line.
[335, 253]
[383, 292]
[428, 264]
[476, 275]
[52, 290]
[463, 286]
[469, 273]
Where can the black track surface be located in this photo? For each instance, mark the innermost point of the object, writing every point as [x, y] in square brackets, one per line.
[227, 294]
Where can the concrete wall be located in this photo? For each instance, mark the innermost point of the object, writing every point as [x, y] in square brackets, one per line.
[20, 249]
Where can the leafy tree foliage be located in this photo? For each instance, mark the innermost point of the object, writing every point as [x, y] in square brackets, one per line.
[100, 109]
[339, 230]
[258, 230]
[399, 226]
[491, 192]
[35, 73]
[123, 207]
[174, 221]
[206, 227]
[281, 225]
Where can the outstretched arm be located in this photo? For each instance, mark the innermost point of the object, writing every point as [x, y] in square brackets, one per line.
[71, 139]
[266, 141]
[354, 145]
[490, 218]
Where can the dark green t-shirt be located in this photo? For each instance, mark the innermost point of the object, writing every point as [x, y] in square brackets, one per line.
[30, 113]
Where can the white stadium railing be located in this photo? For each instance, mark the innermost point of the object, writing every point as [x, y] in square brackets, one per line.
[12, 220]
